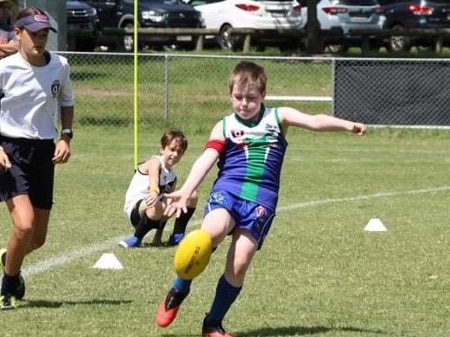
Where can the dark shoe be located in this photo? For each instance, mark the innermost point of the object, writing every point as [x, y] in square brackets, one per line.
[7, 302]
[168, 308]
[214, 329]
[20, 290]
[175, 239]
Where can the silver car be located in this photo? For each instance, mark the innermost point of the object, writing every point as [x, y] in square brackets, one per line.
[345, 18]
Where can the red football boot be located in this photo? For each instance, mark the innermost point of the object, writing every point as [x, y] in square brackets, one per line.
[168, 308]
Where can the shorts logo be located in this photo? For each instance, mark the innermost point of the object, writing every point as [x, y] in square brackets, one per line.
[218, 197]
[55, 87]
[261, 214]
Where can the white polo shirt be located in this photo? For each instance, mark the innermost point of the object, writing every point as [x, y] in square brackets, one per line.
[32, 96]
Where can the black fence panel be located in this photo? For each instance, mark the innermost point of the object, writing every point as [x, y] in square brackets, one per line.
[393, 92]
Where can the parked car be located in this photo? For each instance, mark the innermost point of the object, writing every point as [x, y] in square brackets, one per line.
[82, 22]
[278, 21]
[346, 17]
[116, 14]
[414, 14]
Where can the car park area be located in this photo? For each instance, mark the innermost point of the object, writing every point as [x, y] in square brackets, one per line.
[402, 15]
[346, 18]
[119, 14]
[397, 25]
[278, 23]
[82, 26]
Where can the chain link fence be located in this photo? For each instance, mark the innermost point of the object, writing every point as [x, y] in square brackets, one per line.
[191, 91]
[178, 89]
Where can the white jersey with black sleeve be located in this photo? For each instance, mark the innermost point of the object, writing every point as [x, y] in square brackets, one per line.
[138, 188]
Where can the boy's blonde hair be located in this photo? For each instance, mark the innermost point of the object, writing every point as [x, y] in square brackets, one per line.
[248, 72]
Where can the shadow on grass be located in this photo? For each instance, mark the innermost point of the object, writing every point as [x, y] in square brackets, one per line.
[157, 245]
[292, 331]
[58, 304]
[300, 330]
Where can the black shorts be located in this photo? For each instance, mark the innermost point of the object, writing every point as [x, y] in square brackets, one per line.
[32, 170]
[135, 217]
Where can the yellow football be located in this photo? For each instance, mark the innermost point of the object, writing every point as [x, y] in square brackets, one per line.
[192, 255]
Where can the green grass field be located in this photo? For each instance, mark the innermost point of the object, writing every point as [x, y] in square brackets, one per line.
[319, 273]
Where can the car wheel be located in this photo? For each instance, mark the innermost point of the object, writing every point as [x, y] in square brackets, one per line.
[398, 43]
[226, 40]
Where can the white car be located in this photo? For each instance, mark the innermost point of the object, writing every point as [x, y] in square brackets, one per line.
[278, 22]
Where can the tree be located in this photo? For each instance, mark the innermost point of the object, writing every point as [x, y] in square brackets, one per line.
[314, 43]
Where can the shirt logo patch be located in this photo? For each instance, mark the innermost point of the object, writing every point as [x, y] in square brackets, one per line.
[237, 134]
[55, 88]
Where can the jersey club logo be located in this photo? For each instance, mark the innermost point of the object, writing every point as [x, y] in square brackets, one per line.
[55, 87]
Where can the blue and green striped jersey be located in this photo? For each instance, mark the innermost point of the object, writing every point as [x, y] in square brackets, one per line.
[250, 166]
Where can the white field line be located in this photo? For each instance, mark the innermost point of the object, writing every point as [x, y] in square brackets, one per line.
[65, 258]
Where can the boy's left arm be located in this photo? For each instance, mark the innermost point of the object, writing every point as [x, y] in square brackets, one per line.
[319, 122]
[359, 129]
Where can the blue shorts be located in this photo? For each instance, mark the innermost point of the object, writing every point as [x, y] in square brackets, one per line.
[248, 215]
[32, 170]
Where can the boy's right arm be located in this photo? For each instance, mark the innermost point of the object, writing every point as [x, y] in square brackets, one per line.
[178, 199]
[204, 163]
[198, 172]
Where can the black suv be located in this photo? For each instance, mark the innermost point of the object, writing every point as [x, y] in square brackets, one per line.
[82, 21]
[414, 14]
[152, 14]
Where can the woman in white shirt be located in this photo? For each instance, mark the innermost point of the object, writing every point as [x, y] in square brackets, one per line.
[34, 85]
